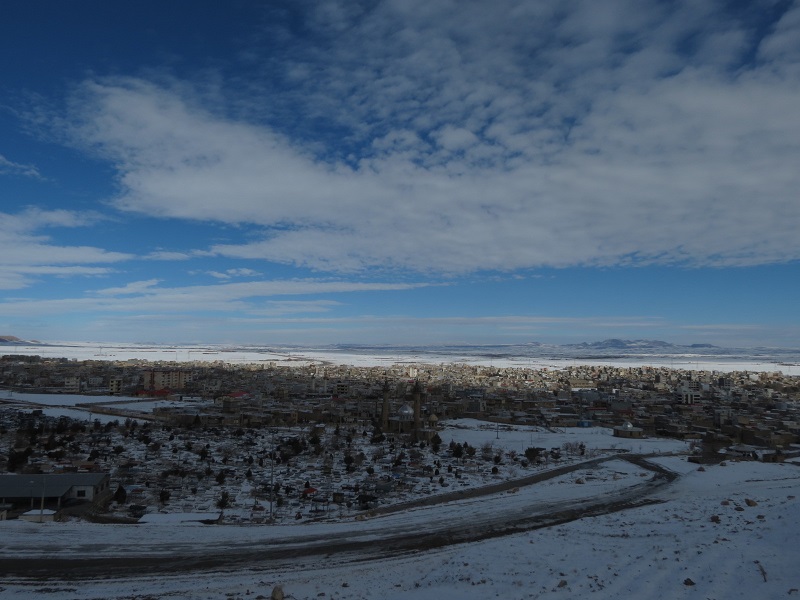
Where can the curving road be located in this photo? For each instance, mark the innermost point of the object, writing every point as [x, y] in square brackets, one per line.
[453, 518]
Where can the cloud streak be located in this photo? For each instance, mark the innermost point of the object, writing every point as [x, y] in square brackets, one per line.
[145, 296]
[8, 167]
[26, 254]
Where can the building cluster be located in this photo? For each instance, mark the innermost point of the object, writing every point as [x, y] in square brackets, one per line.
[296, 438]
[759, 409]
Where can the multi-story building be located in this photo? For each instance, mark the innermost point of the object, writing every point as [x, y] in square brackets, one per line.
[163, 379]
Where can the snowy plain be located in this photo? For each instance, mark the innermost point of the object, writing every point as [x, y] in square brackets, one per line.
[757, 361]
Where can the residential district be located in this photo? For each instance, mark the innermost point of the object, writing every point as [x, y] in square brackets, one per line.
[272, 443]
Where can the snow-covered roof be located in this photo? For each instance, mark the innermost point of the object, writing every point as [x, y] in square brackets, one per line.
[628, 426]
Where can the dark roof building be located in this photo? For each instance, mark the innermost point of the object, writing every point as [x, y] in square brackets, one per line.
[54, 488]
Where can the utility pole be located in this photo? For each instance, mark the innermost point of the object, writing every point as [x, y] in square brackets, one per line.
[41, 506]
[271, 473]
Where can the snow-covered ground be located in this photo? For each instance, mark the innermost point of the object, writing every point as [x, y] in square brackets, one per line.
[670, 550]
[248, 503]
[155, 536]
[519, 437]
[720, 532]
[75, 406]
[60, 399]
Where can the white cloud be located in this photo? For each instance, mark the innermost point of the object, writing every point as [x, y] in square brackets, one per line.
[135, 287]
[252, 297]
[242, 272]
[230, 273]
[33, 218]
[288, 307]
[782, 49]
[8, 167]
[455, 139]
[495, 136]
[169, 255]
[24, 253]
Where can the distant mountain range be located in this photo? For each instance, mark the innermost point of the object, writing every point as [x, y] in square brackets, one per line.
[617, 344]
[14, 340]
[608, 348]
[612, 344]
[609, 344]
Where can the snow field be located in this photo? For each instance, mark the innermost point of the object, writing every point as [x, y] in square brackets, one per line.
[667, 550]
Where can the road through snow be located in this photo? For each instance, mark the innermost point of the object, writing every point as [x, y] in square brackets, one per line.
[97, 551]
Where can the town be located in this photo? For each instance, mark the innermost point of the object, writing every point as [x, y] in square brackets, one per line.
[274, 443]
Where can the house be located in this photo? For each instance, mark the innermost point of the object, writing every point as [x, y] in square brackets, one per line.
[53, 489]
[627, 430]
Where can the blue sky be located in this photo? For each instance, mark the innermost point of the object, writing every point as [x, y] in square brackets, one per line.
[400, 172]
